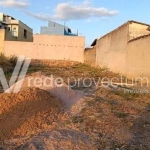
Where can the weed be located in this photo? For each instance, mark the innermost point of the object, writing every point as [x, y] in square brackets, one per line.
[6, 63]
[13, 59]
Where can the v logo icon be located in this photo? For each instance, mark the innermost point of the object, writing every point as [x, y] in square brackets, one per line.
[22, 68]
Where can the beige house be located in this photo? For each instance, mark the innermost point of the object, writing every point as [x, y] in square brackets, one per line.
[16, 38]
[13, 30]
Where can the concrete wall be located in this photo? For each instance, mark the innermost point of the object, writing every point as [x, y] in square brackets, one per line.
[52, 30]
[18, 33]
[5, 35]
[9, 37]
[138, 58]
[137, 30]
[21, 37]
[111, 50]
[2, 36]
[90, 56]
[49, 47]
[122, 52]
[1, 16]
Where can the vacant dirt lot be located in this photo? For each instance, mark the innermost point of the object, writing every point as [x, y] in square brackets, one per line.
[105, 119]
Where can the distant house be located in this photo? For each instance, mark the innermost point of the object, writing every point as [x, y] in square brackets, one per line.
[14, 30]
[57, 29]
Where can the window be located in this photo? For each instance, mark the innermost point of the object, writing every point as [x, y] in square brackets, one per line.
[25, 34]
[14, 28]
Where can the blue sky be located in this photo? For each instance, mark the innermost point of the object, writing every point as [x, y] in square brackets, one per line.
[92, 18]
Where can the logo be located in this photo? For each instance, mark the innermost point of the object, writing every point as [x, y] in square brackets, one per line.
[17, 77]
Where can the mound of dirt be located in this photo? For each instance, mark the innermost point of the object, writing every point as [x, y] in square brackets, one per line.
[28, 112]
[41, 81]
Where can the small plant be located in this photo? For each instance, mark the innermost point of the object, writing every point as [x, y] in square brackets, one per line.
[4, 63]
[13, 60]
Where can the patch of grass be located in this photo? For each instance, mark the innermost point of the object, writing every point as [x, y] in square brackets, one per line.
[81, 67]
[35, 68]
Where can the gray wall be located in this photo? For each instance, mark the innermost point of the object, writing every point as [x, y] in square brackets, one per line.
[54, 28]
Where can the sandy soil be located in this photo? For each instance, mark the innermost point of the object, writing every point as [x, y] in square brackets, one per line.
[63, 92]
[27, 113]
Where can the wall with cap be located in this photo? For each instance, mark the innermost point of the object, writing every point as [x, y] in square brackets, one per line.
[48, 47]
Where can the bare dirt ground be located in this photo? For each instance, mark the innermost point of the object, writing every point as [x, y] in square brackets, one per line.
[28, 112]
[105, 119]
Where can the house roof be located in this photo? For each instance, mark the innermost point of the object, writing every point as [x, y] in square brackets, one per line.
[94, 42]
[139, 22]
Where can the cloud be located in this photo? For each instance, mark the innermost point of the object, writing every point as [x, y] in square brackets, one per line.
[14, 4]
[44, 17]
[91, 20]
[67, 11]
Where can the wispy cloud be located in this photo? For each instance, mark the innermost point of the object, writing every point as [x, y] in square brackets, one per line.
[91, 20]
[14, 4]
[68, 11]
